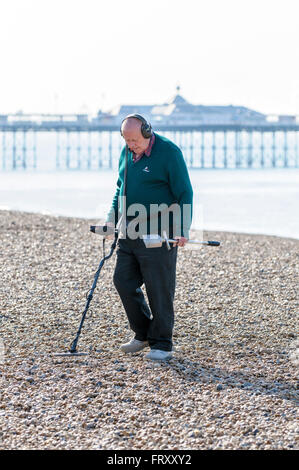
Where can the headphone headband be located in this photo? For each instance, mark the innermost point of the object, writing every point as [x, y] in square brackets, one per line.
[146, 128]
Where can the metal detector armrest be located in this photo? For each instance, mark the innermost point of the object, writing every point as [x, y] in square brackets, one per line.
[103, 230]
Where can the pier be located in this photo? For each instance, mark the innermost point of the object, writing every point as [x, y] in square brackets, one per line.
[77, 142]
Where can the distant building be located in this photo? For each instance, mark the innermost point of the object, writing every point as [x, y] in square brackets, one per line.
[287, 119]
[178, 111]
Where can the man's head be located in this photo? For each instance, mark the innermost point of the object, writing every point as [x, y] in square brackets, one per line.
[132, 133]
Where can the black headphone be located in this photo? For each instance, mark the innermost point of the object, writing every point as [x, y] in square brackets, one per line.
[146, 128]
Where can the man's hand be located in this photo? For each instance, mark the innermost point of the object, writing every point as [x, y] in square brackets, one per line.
[181, 241]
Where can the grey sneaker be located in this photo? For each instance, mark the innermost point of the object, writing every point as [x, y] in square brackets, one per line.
[158, 355]
[134, 346]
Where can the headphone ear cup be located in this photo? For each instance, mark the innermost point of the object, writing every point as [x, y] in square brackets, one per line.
[146, 130]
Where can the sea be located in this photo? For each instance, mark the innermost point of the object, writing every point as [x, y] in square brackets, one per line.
[253, 201]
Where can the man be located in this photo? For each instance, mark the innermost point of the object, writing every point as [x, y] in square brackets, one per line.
[156, 176]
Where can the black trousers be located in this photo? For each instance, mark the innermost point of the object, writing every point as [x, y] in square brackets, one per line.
[156, 269]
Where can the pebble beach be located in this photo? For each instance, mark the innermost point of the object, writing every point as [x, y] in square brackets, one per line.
[232, 382]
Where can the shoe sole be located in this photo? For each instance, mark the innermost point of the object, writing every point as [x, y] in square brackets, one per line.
[158, 360]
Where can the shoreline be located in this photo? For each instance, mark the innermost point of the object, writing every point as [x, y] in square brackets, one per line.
[233, 380]
[263, 202]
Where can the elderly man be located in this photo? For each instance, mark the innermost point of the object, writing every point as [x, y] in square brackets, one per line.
[155, 175]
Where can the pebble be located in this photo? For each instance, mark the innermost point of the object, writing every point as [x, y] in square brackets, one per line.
[29, 380]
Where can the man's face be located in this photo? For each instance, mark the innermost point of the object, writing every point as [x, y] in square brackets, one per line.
[135, 140]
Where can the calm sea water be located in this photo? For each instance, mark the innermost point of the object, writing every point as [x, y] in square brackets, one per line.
[256, 201]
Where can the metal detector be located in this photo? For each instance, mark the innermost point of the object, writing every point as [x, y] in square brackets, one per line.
[150, 241]
[104, 231]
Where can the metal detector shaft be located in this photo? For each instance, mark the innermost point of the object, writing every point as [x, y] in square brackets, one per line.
[155, 241]
[151, 241]
[198, 242]
[73, 348]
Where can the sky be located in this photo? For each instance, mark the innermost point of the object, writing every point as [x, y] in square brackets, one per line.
[71, 56]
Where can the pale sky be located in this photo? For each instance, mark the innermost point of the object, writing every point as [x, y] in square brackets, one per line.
[84, 55]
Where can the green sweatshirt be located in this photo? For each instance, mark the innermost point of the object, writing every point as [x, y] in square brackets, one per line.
[161, 178]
